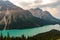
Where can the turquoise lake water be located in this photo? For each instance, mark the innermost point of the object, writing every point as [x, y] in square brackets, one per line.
[30, 32]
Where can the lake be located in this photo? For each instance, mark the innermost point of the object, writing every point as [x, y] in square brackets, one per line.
[30, 32]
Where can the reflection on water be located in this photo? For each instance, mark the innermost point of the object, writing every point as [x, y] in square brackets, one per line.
[30, 32]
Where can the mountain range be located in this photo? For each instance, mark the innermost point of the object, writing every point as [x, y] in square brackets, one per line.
[45, 15]
[14, 17]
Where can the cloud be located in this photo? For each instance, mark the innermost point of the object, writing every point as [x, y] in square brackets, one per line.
[55, 4]
[38, 3]
[26, 4]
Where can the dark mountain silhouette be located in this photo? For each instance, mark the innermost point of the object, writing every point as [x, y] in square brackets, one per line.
[50, 35]
[13, 17]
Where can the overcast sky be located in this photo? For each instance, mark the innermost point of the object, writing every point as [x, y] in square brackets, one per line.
[53, 6]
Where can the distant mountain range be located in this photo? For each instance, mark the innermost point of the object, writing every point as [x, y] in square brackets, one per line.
[50, 35]
[13, 17]
[45, 15]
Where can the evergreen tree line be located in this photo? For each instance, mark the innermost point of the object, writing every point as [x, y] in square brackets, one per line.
[15, 38]
[28, 38]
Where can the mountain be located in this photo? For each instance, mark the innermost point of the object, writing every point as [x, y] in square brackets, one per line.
[45, 15]
[14, 17]
[36, 12]
[50, 35]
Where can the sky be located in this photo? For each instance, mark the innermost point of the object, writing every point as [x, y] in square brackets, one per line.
[53, 6]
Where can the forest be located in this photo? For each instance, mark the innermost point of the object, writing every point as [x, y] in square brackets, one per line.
[39, 37]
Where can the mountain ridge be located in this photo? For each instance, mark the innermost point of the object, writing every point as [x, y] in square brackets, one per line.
[45, 15]
[14, 17]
